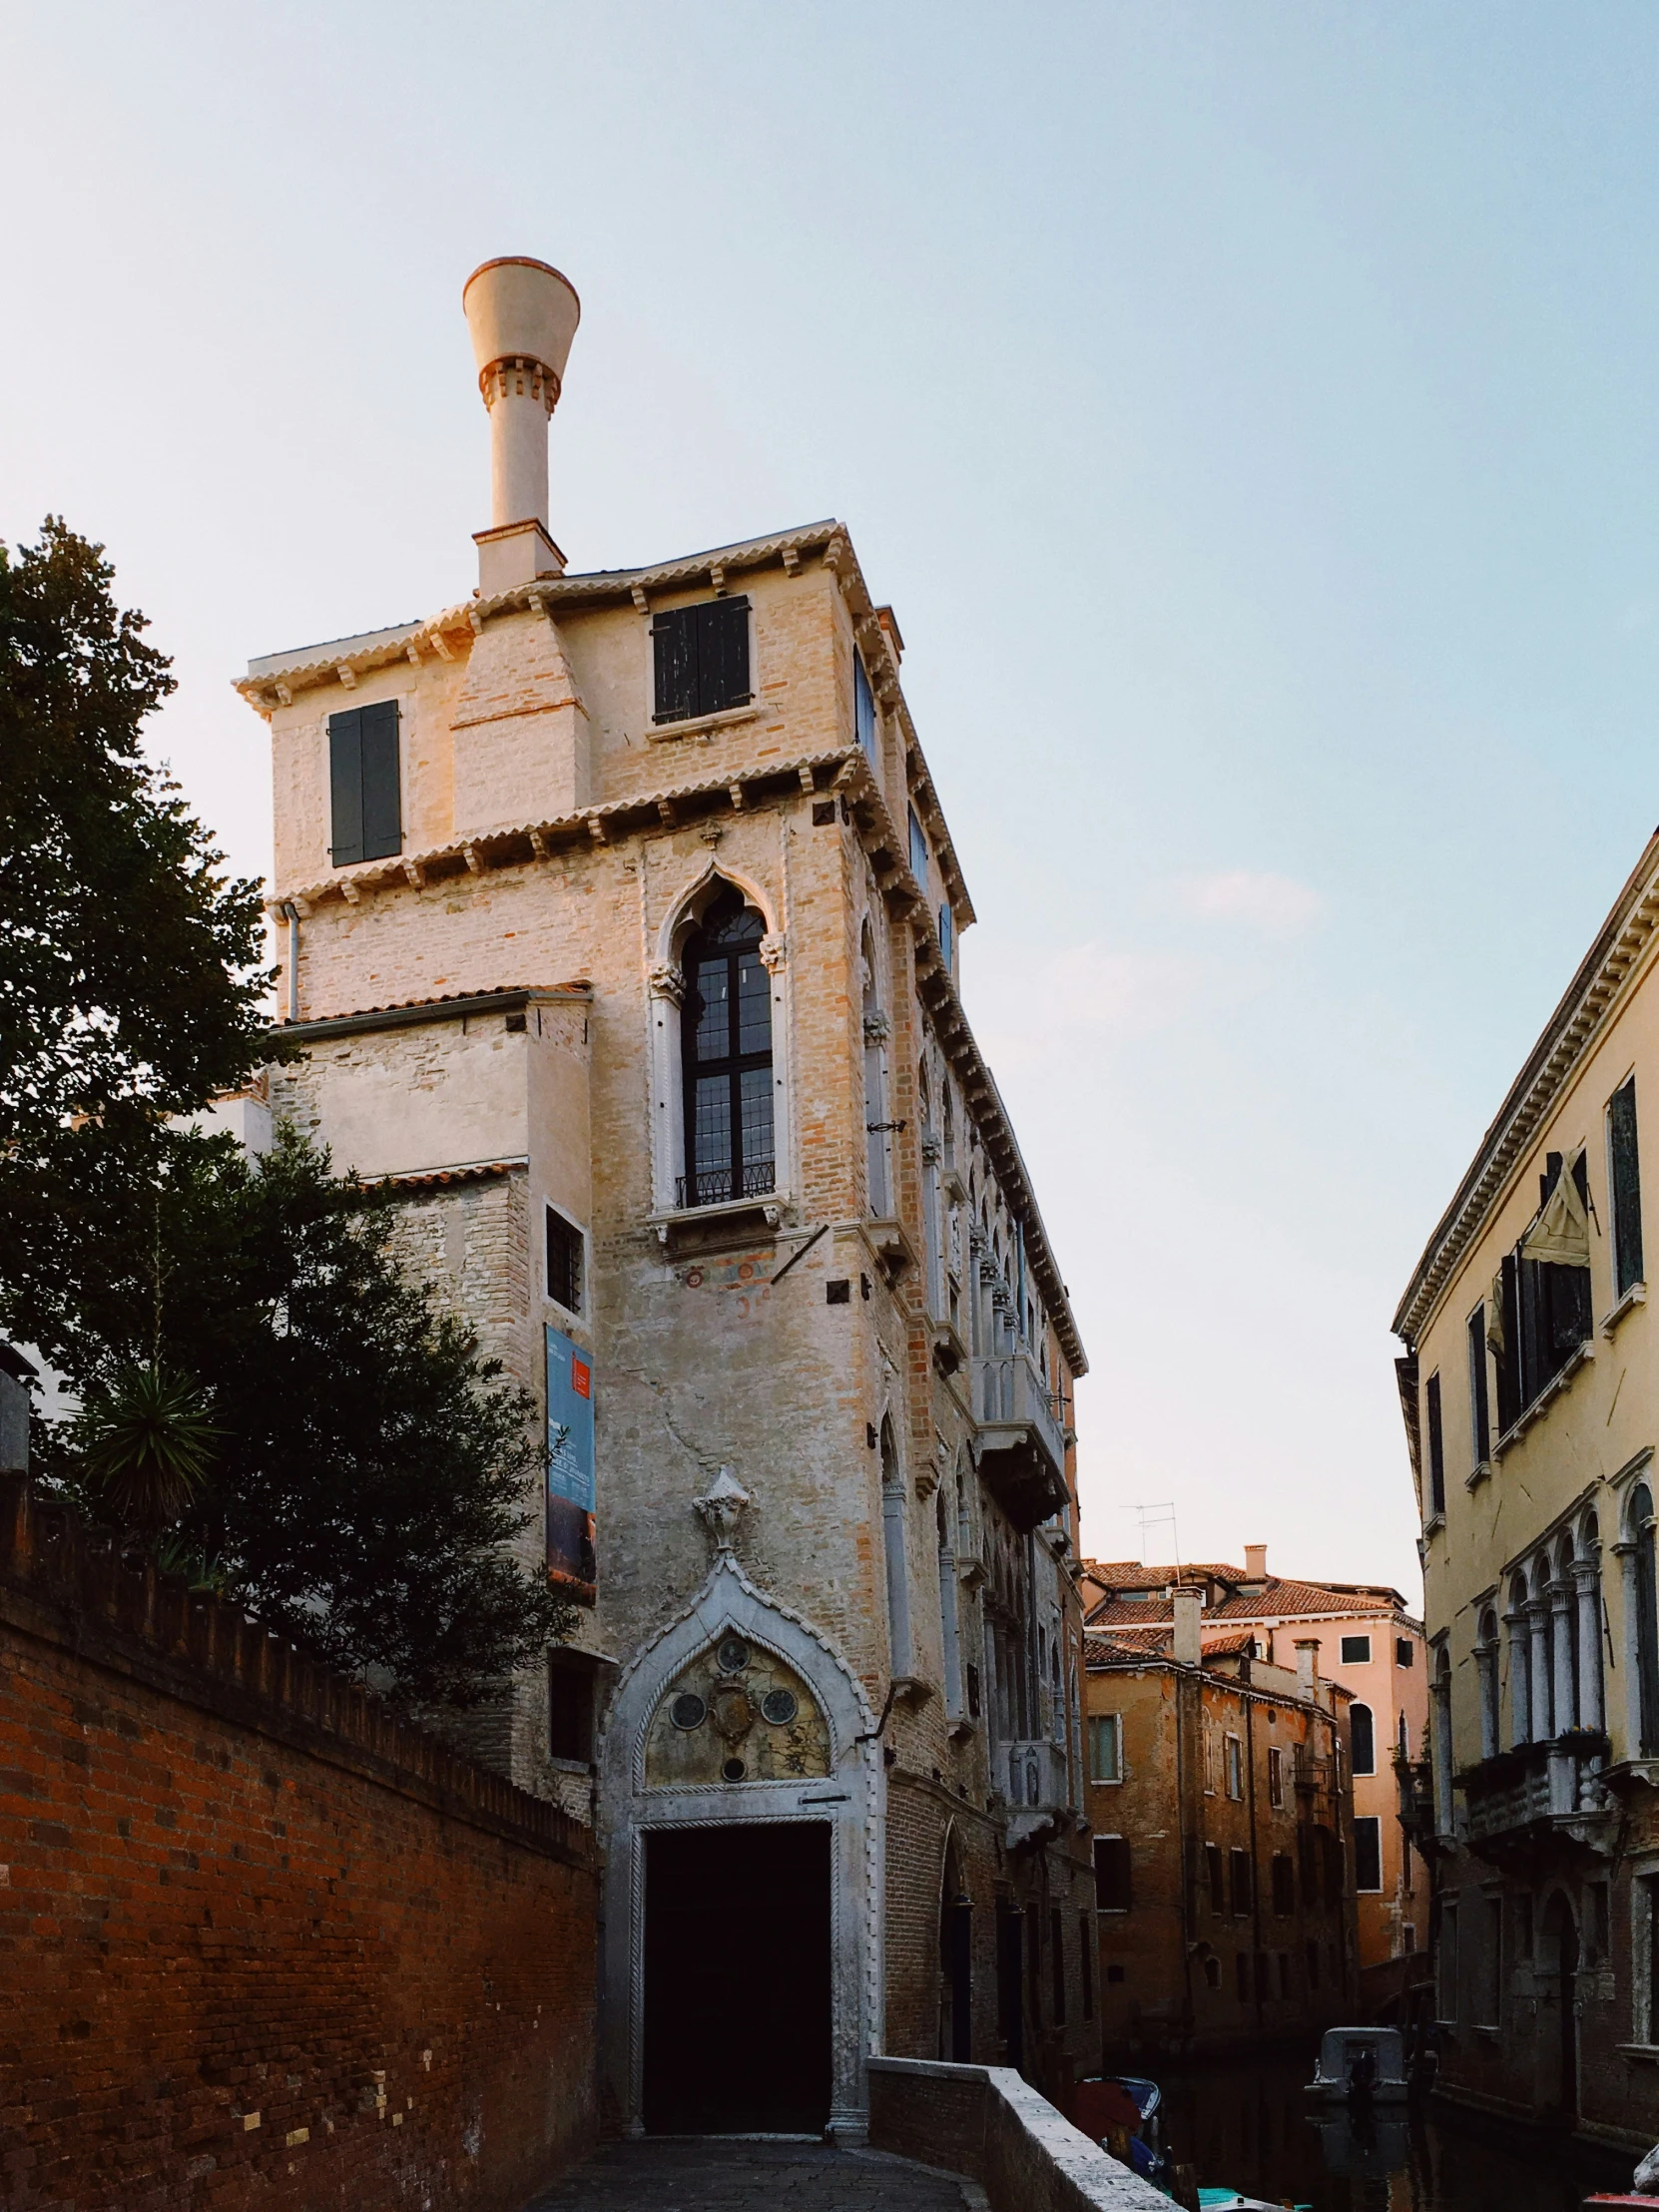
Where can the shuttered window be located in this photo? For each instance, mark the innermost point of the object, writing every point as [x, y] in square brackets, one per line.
[864, 709]
[701, 656]
[919, 850]
[1111, 1873]
[1239, 1880]
[1480, 1419]
[564, 1260]
[1627, 1188]
[367, 806]
[1436, 1448]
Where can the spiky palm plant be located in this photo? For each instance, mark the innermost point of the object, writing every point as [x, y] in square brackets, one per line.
[146, 1444]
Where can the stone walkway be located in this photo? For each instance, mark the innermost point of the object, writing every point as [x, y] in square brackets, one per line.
[705, 2174]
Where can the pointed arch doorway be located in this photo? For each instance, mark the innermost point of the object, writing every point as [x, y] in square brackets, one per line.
[739, 1805]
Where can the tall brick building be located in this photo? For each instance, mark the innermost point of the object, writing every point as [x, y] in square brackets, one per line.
[619, 922]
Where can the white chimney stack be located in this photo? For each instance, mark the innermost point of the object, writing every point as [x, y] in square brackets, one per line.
[1188, 1643]
[1307, 1665]
[522, 316]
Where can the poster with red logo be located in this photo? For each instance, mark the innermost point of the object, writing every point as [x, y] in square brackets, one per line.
[572, 1564]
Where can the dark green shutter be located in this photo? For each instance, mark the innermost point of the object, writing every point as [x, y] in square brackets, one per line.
[382, 816]
[346, 783]
[722, 655]
[1627, 1186]
[674, 652]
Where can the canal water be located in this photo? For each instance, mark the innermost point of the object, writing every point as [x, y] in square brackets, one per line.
[1248, 2123]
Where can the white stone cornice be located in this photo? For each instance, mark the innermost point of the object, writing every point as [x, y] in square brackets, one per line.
[1624, 942]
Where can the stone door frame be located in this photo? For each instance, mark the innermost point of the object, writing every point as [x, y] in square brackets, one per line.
[850, 1799]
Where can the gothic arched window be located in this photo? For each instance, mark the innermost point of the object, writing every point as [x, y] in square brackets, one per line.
[726, 1040]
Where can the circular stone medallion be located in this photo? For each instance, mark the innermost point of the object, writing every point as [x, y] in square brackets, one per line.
[688, 1710]
[733, 1655]
[778, 1707]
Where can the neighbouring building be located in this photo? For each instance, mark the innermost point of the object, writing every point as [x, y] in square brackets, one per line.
[1532, 1398]
[619, 921]
[1365, 1641]
[1222, 1819]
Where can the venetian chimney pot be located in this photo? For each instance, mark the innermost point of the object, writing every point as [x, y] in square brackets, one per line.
[1307, 1664]
[1255, 1562]
[1188, 1641]
[522, 316]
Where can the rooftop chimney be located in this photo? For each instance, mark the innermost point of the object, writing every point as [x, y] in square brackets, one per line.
[1255, 1562]
[522, 316]
[1307, 1665]
[1189, 1651]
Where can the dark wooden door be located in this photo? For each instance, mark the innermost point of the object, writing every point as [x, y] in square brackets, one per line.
[737, 1980]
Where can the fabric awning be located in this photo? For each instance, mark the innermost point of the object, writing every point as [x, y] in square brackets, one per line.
[1561, 1233]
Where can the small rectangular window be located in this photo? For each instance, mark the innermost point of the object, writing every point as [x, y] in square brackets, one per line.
[1626, 1178]
[864, 709]
[1085, 1963]
[1367, 1852]
[973, 1691]
[1057, 1963]
[1446, 1966]
[919, 850]
[701, 659]
[1216, 1874]
[1276, 1775]
[1235, 1767]
[1436, 1448]
[1284, 1885]
[1104, 1763]
[570, 1706]
[564, 1260]
[1241, 1974]
[1480, 1422]
[1402, 1651]
[364, 785]
[1239, 1880]
[1112, 1886]
[1356, 1651]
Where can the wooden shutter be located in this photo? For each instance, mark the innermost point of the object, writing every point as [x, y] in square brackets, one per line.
[674, 653]
[1627, 1188]
[382, 811]
[1436, 1448]
[722, 655]
[346, 787]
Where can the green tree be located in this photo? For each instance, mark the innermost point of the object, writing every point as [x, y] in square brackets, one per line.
[363, 1474]
[264, 1390]
[130, 964]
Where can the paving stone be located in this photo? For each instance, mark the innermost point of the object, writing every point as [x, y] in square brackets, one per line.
[699, 2175]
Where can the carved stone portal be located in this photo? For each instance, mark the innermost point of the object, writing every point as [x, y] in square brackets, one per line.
[735, 1714]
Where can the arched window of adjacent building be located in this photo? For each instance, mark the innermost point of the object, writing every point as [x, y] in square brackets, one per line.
[1485, 1661]
[1642, 1607]
[1520, 1662]
[877, 1031]
[726, 1044]
[893, 1535]
[950, 1632]
[1586, 1570]
[1563, 1613]
[1442, 1754]
[1363, 1734]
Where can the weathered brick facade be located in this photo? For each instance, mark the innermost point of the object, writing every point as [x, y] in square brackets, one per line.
[1222, 1810]
[259, 1944]
[873, 1341]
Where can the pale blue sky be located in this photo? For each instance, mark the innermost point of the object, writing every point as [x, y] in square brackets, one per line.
[1253, 414]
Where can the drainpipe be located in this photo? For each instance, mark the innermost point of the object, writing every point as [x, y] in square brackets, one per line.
[290, 914]
[1255, 1963]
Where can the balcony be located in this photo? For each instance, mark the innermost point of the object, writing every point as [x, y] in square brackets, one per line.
[723, 1187]
[1520, 1796]
[1021, 1444]
[1039, 1790]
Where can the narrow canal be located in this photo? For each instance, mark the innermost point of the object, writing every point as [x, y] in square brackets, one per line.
[1248, 2123]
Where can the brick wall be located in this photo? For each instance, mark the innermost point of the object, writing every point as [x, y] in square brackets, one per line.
[260, 1942]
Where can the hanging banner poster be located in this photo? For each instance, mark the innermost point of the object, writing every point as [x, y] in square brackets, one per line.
[572, 1563]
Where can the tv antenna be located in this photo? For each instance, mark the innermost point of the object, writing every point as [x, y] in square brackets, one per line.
[1157, 1516]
